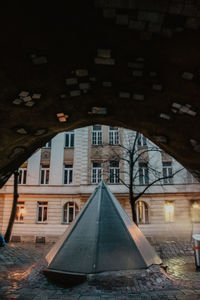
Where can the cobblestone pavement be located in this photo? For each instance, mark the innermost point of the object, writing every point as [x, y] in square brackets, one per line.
[21, 277]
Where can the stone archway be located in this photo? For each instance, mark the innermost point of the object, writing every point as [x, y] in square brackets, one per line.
[131, 63]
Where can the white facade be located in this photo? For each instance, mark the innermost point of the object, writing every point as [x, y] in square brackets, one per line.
[59, 181]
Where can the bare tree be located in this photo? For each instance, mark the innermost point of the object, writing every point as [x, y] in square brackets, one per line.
[133, 153]
[14, 208]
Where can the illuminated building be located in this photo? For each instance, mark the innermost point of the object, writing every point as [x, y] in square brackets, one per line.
[58, 179]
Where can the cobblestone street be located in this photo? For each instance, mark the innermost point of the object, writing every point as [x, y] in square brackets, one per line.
[21, 277]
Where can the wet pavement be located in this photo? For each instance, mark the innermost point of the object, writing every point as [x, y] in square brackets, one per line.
[21, 277]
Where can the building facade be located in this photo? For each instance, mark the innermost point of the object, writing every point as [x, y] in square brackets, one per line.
[57, 180]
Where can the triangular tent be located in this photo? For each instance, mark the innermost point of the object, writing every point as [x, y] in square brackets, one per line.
[101, 238]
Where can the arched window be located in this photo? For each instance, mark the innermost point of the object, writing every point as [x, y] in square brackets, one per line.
[70, 210]
[142, 212]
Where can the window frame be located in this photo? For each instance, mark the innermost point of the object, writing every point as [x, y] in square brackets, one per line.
[69, 171]
[97, 136]
[142, 140]
[143, 173]
[42, 205]
[66, 208]
[71, 136]
[142, 207]
[116, 173]
[20, 205]
[195, 211]
[44, 173]
[113, 136]
[167, 168]
[169, 216]
[23, 175]
[96, 172]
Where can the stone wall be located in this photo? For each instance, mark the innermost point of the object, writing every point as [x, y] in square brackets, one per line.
[157, 230]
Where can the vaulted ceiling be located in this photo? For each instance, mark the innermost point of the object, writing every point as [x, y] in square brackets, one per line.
[129, 63]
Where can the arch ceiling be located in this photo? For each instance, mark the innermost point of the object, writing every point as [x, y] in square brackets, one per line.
[129, 63]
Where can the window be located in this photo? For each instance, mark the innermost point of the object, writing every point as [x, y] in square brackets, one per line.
[142, 213]
[114, 172]
[42, 211]
[70, 210]
[96, 135]
[19, 217]
[22, 175]
[47, 145]
[68, 174]
[195, 211]
[96, 172]
[167, 171]
[169, 211]
[69, 139]
[113, 135]
[44, 174]
[143, 173]
[142, 141]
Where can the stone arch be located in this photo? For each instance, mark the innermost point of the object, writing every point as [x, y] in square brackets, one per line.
[86, 63]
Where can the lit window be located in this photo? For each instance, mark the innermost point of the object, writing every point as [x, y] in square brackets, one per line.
[22, 175]
[143, 173]
[96, 135]
[68, 174]
[169, 211]
[69, 139]
[114, 172]
[70, 210]
[19, 217]
[142, 141]
[113, 135]
[96, 172]
[47, 145]
[44, 174]
[42, 211]
[167, 171]
[195, 211]
[142, 213]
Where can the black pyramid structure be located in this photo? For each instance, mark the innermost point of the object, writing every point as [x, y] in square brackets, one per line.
[101, 238]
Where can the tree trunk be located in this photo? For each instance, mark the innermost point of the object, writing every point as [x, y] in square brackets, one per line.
[132, 202]
[14, 208]
[131, 198]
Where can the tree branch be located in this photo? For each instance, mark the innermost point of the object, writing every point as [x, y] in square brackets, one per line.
[123, 182]
[153, 182]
